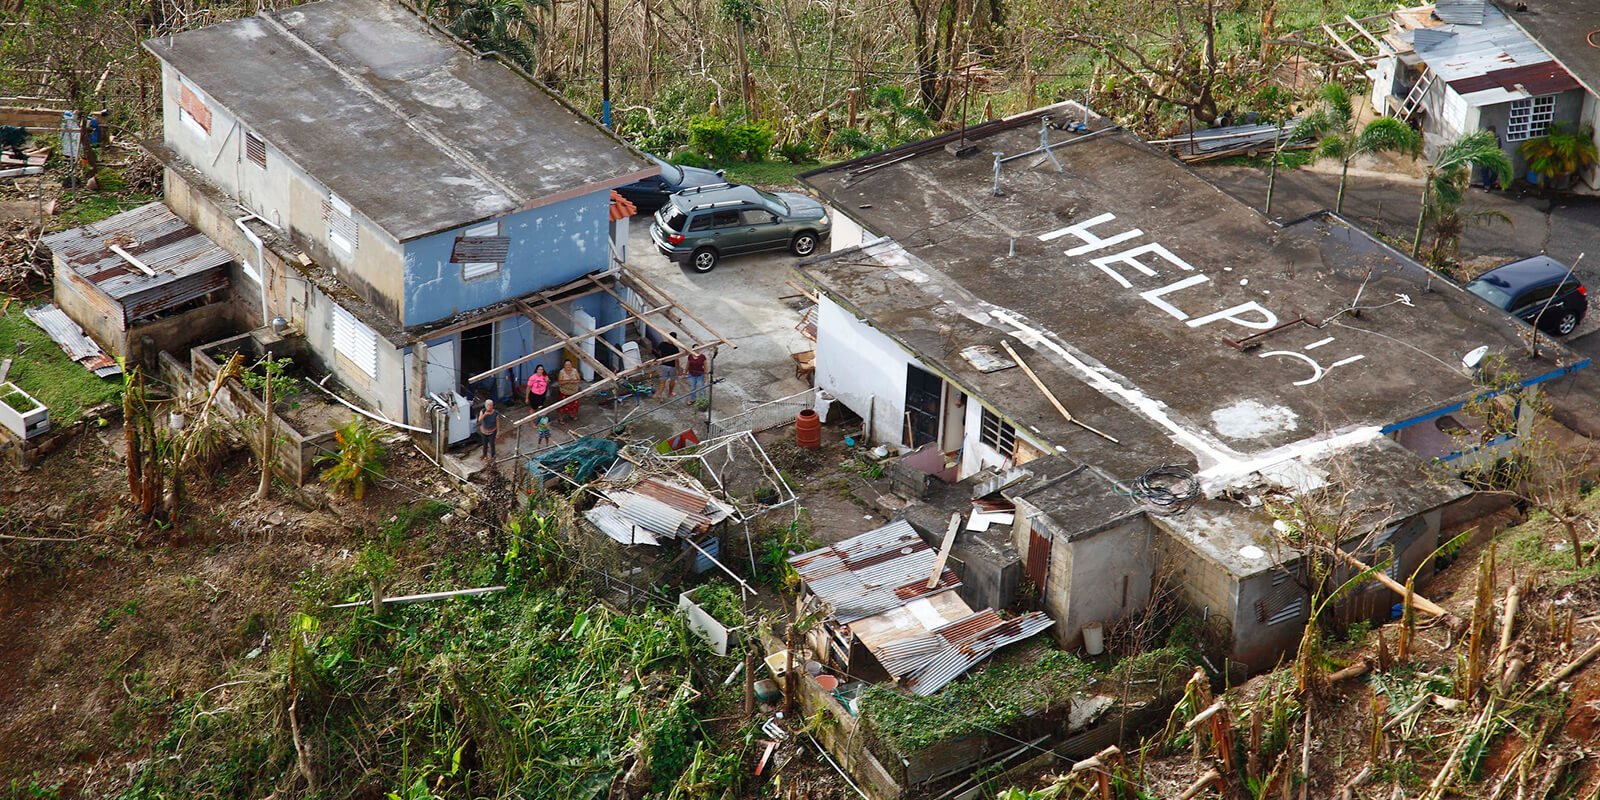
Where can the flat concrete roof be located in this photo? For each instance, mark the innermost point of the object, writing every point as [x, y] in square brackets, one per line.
[1146, 357]
[1562, 28]
[410, 127]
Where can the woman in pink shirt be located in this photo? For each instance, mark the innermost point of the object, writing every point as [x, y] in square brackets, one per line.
[538, 387]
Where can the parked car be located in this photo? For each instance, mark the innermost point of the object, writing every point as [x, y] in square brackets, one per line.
[699, 226]
[1525, 290]
[651, 193]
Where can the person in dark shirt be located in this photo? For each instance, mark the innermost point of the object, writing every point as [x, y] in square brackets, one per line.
[694, 366]
[668, 351]
[488, 428]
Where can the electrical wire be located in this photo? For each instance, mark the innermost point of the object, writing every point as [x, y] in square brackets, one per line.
[1170, 487]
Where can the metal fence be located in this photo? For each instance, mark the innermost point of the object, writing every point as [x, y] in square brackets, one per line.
[763, 416]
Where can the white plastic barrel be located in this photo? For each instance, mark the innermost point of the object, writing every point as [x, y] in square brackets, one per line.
[1094, 638]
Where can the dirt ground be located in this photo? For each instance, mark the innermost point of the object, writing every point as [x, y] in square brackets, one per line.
[103, 630]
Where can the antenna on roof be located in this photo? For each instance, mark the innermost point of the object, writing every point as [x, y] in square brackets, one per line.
[1044, 142]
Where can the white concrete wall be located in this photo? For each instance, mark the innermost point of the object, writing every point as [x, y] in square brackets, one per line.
[858, 365]
[975, 455]
[284, 195]
[846, 233]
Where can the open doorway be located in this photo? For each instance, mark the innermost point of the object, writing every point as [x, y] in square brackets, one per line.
[924, 394]
[477, 355]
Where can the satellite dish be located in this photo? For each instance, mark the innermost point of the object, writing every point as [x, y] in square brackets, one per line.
[1474, 357]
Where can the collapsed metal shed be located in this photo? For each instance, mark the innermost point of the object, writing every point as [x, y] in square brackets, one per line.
[137, 264]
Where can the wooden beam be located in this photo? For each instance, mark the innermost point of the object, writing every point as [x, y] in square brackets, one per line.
[944, 549]
[520, 360]
[1344, 45]
[1362, 29]
[1052, 398]
[595, 387]
[663, 296]
[665, 334]
[129, 257]
[539, 319]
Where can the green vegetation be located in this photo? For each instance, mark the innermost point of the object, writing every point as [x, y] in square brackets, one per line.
[767, 173]
[1543, 546]
[44, 371]
[722, 602]
[17, 401]
[359, 461]
[536, 692]
[1011, 687]
[1564, 151]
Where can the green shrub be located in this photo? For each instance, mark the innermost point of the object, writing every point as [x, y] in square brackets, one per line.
[796, 152]
[723, 141]
[359, 460]
[689, 158]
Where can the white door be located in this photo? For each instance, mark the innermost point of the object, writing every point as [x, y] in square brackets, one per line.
[583, 322]
[442, 368]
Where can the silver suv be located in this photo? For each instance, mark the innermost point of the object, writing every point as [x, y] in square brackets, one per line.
[699, 226]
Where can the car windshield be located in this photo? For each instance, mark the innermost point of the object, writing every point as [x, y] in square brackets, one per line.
[673, 218]
[672, 172]
[1496, 296]
[775, 202]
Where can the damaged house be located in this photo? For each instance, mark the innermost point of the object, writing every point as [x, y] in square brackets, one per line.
[1161, 362]
[1515, 68]
[433, 221]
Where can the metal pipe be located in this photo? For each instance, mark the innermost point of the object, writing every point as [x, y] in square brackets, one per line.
[1082, 138]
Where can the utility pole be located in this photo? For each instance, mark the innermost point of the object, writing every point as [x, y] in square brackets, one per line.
[605, 63]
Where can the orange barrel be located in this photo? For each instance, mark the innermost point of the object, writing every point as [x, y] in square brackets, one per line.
[807, 429]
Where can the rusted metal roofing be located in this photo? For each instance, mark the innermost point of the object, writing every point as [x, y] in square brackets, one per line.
[66, 333]
[180, 263]
[956, 657]
[1535, 79]
[872, 573]
[656, 508]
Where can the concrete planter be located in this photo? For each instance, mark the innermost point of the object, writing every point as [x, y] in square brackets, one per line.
[35, 421]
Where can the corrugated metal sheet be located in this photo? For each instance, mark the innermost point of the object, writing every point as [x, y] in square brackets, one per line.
[872, 573]
[185, 263]
[955, 659]
[1458, 51]
[612, 523]
[659, 508]
[1463, 12]
[80, 348]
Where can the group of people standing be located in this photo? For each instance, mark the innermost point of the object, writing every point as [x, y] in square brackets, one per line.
[543, 392]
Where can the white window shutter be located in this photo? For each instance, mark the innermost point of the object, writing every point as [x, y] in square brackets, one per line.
[355, 341]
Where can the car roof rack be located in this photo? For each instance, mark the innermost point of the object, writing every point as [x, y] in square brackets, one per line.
[706, 188]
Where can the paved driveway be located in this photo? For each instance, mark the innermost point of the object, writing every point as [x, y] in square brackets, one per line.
[740, 298]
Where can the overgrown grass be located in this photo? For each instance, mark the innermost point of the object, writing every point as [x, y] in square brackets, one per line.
[82, 206]
[536, 692]
[772, 173]
[1008, 689]
[45, 372]
[1542, 545]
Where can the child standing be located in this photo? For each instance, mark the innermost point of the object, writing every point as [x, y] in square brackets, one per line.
[544, 430]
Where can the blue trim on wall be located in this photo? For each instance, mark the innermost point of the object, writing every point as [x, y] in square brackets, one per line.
[550, 245]
[1538, 379]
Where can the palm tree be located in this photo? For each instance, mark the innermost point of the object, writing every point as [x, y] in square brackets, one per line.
[502, 26]
[1560, 153]
[1447, 174]
[1332, 122]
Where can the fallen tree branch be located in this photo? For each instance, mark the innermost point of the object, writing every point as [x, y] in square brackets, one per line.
[1572, 666]
[1201, 784]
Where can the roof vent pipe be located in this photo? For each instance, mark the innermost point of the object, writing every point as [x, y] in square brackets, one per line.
[996, 191]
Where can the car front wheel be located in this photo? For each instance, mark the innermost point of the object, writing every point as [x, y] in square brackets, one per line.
[704, 260]
[1567, 323]
[804, 244]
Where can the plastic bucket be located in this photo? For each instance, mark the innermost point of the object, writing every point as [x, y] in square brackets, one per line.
[1094, 639]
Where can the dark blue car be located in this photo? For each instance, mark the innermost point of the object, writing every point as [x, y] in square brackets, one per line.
[1539, 290]
[651, 193]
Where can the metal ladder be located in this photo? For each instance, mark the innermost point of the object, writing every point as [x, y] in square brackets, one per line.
[1419, 90]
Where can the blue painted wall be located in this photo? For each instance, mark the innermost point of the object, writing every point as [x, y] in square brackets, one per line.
[550, 245]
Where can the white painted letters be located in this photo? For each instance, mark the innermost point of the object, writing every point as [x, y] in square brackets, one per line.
[1268, 319]
[1131, 258]
[1153, 297]
[1091, 242]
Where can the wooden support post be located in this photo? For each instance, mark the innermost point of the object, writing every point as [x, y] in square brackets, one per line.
[1052, 398]
[944, 549]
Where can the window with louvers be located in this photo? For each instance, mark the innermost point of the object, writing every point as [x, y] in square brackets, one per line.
[1284, 603]
[255, 149]
[342, 235]
[355, 341]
